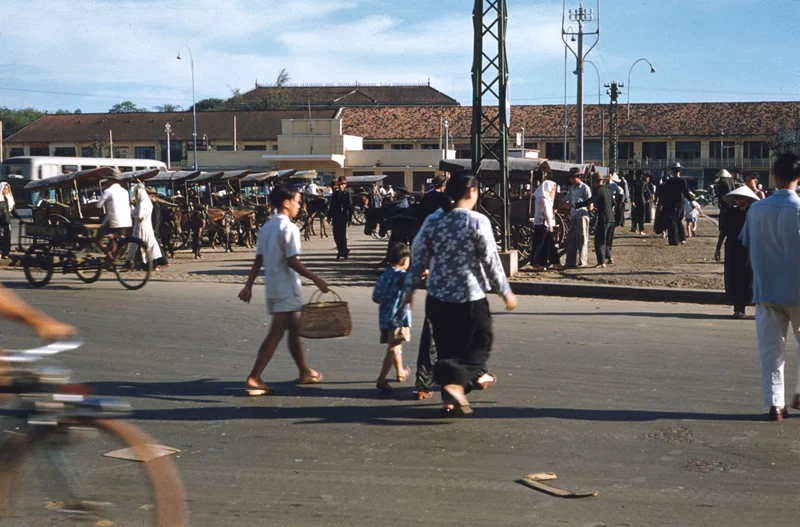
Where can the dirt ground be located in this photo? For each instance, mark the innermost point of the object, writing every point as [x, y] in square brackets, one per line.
[644, 261]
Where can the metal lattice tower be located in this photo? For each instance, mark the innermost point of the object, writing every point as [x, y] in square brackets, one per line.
[614, 92]
[489, 137]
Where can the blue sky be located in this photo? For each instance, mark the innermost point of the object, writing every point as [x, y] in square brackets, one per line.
[106, 51]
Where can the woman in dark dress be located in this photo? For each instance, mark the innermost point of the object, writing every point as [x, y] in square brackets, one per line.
[738, 274]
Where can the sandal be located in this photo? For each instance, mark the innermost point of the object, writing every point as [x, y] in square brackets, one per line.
[383, 386]
[485, 384]
[310, 379]
[257, 392]
[421, 395]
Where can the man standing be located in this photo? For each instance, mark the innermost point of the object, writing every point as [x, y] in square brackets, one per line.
[578, 235]
[603, 202]
[156, 221]
[6, 211]
[772, 234]
[639, 202]
[340, 212]
[671, 205]
[614, 184]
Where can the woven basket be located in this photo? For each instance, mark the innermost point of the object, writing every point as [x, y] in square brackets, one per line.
[325, 320]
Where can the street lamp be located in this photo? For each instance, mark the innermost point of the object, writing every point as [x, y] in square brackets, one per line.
[168, 128]
[602, 116]
[652, 70]
[194, 110]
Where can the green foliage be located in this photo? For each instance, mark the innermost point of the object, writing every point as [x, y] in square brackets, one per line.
[126, 107]
[210, 105]
[15, 119]
[787, 141]
[168, 108]
[283, 79]
[276, 99]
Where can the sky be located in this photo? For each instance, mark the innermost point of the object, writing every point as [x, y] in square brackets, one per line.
[92, 54]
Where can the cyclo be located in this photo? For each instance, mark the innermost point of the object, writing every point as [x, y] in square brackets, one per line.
[64, 232]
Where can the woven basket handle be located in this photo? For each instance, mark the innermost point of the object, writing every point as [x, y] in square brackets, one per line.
[316, 295]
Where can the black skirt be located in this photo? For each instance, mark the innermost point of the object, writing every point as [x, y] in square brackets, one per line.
[463, 337]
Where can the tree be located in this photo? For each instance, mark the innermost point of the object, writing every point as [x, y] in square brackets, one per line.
[63, 112]
[126, 107]
[283, 79]
[236, 96]
[168, 108]
[15, 119]
[210, 105]
[277, 97]
[787, 141]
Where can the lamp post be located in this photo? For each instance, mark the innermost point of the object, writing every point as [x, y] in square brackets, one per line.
[569, 30]
[168, 128]
[602, 116]
[194, 110]
[652, 70]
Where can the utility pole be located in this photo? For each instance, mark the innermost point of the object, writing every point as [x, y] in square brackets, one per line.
[580, 16]
[614, 92]
[489, 136]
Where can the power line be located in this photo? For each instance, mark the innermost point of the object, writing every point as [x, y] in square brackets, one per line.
[75, 94]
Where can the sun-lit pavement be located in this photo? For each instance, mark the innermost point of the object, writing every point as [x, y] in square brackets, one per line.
[657, 407]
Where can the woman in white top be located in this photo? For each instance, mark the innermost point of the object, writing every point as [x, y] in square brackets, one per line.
[543, 246]
[143, 225]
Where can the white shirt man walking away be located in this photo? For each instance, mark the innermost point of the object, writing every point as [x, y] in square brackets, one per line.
[772, 234]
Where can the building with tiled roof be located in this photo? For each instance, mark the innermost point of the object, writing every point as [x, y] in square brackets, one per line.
[341, 96]
[402, 141]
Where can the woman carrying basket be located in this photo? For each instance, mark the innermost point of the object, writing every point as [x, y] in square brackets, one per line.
[457, 245]
[278, 251]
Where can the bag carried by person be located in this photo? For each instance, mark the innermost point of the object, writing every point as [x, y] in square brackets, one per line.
[325, 320]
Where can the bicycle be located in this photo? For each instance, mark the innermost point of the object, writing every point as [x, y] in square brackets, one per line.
[54, 468]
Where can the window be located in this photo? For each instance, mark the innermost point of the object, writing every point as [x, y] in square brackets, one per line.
[144, 152]
[654, 150]
[463, 152]
[126, 169]
[69, 169]
[752, 150]
[224, 148]
[727, 148]
[402, 146]
[86, 151]
[394, 178]
[624, 150]
[373, 146]
[140, 168]
[687, 149]
[531, 146]
[430, 146]
[87, 167]
[556, 150]
[274, 148]
[176, 150]
[422, 178]
[40, 151]
[592, 149]
[64, 151]
[17, 152]
[255, 147]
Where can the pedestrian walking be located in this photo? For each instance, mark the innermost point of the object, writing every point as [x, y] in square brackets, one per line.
[640, 197]
[156, 222]
[650, 211]
[7, 210]
[692, 212]
[143, 226]
[340, 212]
[772, 235]
[578, 234]
[394, 316]
[461, 243]
[614, 184]
[603, 202]
[671, 206]
[738, 274]
[544, 253]
[278, 250]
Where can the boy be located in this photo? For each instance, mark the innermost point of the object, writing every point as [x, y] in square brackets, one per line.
[393, 316]
[693, 211]
[278, 250]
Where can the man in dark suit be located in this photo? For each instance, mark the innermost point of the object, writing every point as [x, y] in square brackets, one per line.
[671, 205]
[340, 212]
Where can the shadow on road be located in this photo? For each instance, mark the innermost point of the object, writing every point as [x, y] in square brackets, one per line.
[684, 316]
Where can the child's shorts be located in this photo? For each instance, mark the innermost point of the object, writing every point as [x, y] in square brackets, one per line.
[395, 336]
[284, 305]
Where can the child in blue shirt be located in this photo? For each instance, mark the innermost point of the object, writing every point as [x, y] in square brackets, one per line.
[393, 316]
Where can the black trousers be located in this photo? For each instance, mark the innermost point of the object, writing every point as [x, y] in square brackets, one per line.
[463, 336]
[340, 236]
[619, 214]
[543, 247]
[674, 225]
[426, 359]
[5, 232]
[603, 241]
[638, 214]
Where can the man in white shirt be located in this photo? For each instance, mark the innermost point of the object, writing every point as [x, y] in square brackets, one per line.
[312, 189]
[389, 192]
[578, 235]
[117, 203]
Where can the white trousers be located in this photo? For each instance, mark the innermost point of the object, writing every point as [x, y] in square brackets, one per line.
[772, 321]
[578, 241]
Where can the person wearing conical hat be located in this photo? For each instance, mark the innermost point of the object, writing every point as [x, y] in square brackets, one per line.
[738, 275]
[772, 235]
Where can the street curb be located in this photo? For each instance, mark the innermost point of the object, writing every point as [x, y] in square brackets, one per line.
[615, 292]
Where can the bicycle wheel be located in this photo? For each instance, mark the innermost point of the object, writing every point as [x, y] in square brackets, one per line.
[129, 266]
[37, 263]
[89, 270]
[63, 477]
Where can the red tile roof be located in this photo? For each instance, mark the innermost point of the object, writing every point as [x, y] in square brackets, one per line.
[654, 120]
[355, 95]
[263, 125]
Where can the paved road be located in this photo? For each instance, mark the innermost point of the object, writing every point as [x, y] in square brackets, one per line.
[657, 407]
